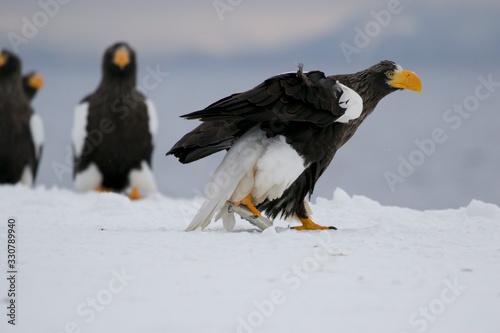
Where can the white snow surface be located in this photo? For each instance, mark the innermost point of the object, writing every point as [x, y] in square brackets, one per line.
[97, 262]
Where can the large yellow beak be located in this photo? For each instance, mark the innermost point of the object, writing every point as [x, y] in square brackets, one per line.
[36, 81]
[406, 80]
[121, 58]
[3, 59]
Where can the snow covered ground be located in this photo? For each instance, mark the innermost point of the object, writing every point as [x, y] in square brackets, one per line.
[100, 263]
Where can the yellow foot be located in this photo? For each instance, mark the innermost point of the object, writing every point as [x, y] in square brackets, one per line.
[308, 224]
[99, 188]
[134, 194]
[248, 203]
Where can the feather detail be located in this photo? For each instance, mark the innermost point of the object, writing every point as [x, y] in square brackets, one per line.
[238, 162]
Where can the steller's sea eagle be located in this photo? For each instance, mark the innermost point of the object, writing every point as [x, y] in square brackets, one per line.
[281, 136]
[21, 129]
[114, 130]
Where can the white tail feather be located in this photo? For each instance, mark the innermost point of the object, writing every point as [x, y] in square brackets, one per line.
[239, 161]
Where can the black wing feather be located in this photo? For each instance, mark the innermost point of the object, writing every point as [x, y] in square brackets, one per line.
[275, 104]
[312, 93]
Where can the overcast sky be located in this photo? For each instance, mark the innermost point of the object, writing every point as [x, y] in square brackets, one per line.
[211, 49]
[241, 27]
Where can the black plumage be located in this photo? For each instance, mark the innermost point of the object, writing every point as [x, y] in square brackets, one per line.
[302, 107]
[118, 138]
[19, 151]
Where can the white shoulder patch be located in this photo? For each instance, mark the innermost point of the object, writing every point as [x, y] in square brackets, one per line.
[37, 133]
[352, 102]
[79, 132]
[153, 119]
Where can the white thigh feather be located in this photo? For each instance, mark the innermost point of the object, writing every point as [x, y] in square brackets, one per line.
[239, 161]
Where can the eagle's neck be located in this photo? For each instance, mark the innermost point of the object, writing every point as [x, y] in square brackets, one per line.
[361, 82]
[118, 83]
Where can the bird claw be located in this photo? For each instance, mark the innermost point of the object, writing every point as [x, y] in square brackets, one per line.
[331, 227]
[135, 194]
[260, 222]
[308, 224]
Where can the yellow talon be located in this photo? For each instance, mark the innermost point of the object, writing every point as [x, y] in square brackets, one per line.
[308, 224]
[134, 194]
[99, 188]
[247, 201]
